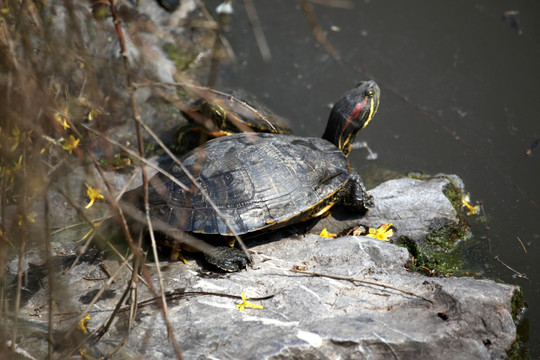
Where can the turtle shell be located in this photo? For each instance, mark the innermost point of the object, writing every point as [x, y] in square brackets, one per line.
[231, 115]
[218, 114]
[256, 181]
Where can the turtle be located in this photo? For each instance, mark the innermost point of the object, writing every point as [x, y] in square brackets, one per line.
[264, 181]
[217, 114]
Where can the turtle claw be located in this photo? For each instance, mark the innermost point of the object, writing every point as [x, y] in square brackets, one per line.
[368, 201]
[227, 258]
[355, 196]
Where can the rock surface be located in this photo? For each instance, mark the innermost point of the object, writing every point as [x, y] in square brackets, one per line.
[414, 207]
[308, 317]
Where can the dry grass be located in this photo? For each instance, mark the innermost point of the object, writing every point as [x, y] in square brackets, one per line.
[76, 98]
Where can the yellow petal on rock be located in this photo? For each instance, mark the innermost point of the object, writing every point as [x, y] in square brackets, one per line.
[246, 304]
[325, 234]
[82, 324]
[382, 233]
[93, 194]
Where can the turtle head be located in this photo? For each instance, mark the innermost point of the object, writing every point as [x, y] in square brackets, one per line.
[351, 113]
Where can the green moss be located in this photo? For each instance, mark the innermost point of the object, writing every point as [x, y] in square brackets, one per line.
[417, 175]
[518, 303]
[431, 262]
[438, 254]
[182, 59]
[454, 194]
[444, 237]
[518, 351]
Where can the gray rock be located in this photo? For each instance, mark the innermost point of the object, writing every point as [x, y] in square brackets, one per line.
[308, 317]
[414, 207]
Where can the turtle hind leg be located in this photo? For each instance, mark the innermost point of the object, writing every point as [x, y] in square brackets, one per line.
[227, 258]
[354, 195]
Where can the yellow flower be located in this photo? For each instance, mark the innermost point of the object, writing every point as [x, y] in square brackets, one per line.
[325, 234]
[16, 137]
[178, 256]
[94, 113]
[17, 165]
[245, 304]
[382, 233]
[82, 324]
[96, 224]
[62, 120]
[84, 354]
[473, 210]
[4, 237]
[70, 143]
[31, 218]
[93, 195]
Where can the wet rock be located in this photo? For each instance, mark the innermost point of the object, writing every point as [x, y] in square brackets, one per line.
[358, 300]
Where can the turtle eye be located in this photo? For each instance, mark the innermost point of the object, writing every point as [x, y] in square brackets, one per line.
[370, 93]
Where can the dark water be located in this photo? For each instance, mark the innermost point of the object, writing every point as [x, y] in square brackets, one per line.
[460, 95]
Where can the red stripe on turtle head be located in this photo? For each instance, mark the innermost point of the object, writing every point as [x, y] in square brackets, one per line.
[354, 114]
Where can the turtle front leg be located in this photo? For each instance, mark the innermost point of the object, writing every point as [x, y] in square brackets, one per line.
[354, 194]
[227, 258]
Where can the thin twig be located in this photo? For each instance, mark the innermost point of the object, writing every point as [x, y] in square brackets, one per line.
[138, 122]
[521, 275]
[22, 245]
[50, 270]
[210, 96]
[257, 30]
[102, 330]
[183, 294]
[353, 280]
[94, 300]
[486, 229]
[135, 155]
[343, 4]
[219, 27]
[106, 286]
[88, 221]
[91, 237]
[523, 246]
[110, 199]
[75, 225]
[165, 228]
[134, 288]
[191, 178]
[316, 29]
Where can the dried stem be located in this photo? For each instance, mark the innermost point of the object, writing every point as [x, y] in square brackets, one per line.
[519, 274]
[343, 4]
[95, 299]
[189, 175]
[138, 121]
[317, 30]
[184, 294]
[354, 280]
[50, 271]
[521, 243]
[22, 247]
[257, 30]
[88, 221]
